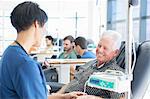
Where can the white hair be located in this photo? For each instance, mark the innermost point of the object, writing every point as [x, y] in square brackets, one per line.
[115, 36]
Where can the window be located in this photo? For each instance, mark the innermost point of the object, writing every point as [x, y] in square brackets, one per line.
[65, 17]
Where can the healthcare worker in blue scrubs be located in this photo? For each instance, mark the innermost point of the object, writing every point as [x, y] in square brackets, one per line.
[20, 76]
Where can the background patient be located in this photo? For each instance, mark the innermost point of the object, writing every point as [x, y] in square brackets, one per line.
[81, 48]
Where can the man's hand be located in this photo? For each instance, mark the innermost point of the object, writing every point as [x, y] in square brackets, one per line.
[73, 95]
[88, 97]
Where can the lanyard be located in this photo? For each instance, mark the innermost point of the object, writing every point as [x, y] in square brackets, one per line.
[21, 46]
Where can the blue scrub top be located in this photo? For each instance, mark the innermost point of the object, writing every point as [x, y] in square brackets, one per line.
[88, 54]
[20, 76]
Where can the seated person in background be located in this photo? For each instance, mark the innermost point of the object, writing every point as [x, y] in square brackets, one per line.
[82, 52]
[81, 48]
[106, 51]
[69, 53]
[49, 44]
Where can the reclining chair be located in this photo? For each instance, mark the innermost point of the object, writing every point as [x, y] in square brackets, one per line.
[141, 73]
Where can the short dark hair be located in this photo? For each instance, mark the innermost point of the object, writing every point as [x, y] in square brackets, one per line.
[49, 37]
[81, 41]
[25, 14]
[70, 38]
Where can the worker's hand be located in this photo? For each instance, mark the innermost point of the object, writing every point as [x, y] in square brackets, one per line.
[73, 95]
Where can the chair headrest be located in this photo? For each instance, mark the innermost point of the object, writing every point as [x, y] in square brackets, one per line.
[141, 79]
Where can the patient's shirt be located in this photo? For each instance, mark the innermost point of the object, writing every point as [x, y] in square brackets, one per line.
[83, 74]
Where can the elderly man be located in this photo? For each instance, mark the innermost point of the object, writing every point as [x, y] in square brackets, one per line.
[106, 51]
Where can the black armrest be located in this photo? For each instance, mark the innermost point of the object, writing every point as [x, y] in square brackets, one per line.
[55, 86]
[51, 75]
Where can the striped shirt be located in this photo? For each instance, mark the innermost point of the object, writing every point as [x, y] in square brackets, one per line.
[83, 74]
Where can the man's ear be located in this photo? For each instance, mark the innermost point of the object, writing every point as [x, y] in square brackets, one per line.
[78, 46]
[116, 52]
